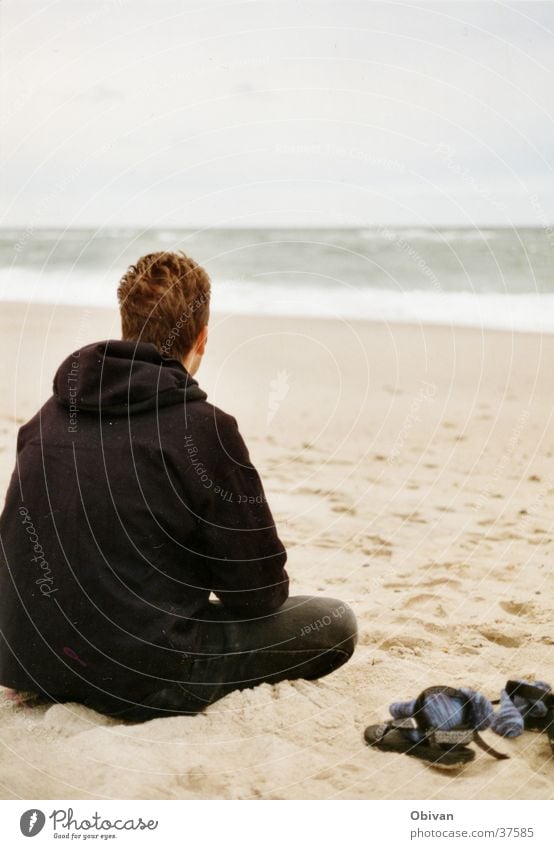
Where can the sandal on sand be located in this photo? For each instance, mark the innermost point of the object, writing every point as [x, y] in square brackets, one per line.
[525, 706]
[447, 720]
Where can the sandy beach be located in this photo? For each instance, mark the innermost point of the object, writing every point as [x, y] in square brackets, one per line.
[410, 470]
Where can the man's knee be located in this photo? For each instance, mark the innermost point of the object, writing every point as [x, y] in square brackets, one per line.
[345, 628]
[331, 625]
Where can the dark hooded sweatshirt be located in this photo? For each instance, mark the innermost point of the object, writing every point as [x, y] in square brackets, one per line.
[132, 499]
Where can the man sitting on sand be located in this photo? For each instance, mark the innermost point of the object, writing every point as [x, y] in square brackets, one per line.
[132, 500]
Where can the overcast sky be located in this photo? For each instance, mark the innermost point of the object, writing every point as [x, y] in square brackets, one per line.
[274, 112]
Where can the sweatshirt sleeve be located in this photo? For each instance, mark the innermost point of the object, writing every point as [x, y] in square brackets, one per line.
[237, 532]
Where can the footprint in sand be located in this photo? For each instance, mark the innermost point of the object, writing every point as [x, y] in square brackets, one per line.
[540, 541]
[417, 519]
[517, 608]
[469, 649]
[377, 552]
[405, 641]
[412, 517]
[441, 582]
[423, 598]
[427, 603]
[526, 610]
[501, 638]
[343, 508]
[383, 548]
[434, 628]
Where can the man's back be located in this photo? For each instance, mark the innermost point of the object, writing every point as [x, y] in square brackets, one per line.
[132, 499]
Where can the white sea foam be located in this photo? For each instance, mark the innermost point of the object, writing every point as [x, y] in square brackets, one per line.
[517, 312]
[66, 286]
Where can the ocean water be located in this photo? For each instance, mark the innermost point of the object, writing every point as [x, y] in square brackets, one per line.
[496, 278]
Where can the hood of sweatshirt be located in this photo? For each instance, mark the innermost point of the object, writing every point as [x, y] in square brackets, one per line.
[120, 378]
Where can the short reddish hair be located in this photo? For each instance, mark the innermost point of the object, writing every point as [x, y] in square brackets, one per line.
[164, 299]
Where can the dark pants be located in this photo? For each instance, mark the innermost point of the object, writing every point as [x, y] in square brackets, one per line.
[308, 637]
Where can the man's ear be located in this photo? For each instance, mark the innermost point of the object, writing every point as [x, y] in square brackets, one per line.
[202, 340]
